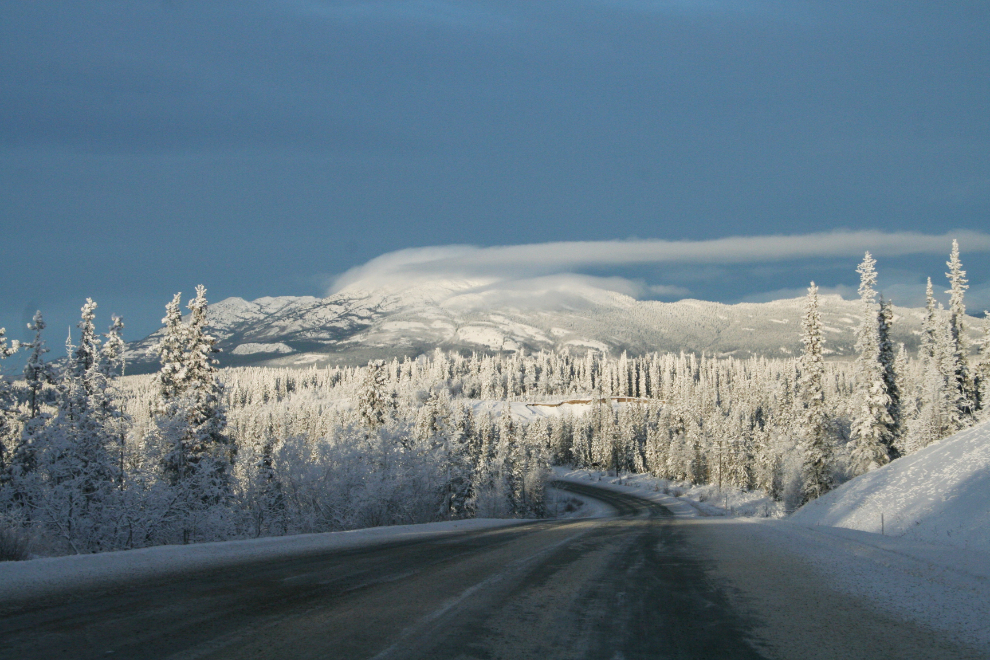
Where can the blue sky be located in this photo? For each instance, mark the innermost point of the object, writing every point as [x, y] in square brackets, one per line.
[266, 148]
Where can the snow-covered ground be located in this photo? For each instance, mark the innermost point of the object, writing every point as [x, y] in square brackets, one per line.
[682, 499]
[36, 578]
[940, 494]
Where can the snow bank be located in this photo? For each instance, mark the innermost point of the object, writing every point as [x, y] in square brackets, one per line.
[940, 494]
[41, 577]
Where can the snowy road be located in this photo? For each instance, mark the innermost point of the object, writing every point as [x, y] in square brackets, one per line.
[642, 585]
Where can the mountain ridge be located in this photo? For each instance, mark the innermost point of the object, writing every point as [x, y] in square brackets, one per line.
[354, 325]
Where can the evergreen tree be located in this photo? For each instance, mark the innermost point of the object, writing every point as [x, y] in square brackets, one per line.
[957, 315]
[7, 408]
[211, 450]
[109, 367]
[929, 327]
[191, 419]
[891, 378]
[85, 355]
[817, 440]
[170, 377]
[871, 419]
[75, 460]
[938, 415]
[982, 379]
[375, 403]
[38, 375]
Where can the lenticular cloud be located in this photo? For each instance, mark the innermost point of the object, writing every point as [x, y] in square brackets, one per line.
[489, 265]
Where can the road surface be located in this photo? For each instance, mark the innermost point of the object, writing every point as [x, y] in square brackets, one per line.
[640, 585]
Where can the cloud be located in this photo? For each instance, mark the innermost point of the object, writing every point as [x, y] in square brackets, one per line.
[486, 266]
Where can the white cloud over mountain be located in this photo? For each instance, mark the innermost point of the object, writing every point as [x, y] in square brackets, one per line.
[555, 265]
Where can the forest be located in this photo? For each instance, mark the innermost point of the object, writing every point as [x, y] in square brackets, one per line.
[92, 460]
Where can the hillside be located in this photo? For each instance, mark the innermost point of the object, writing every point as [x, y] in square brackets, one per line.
[355, 325]
[941, 493]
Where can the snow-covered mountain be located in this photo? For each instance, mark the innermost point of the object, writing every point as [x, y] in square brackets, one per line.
[355, 324]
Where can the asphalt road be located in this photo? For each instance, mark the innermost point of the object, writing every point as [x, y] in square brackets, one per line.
[641, 585]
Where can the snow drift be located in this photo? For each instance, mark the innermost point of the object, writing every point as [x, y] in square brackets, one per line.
[941, 493]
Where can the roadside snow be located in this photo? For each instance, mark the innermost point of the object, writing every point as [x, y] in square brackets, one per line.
[939, 494]
[37, 578]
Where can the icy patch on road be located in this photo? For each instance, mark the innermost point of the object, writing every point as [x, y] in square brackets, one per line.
[40, 577]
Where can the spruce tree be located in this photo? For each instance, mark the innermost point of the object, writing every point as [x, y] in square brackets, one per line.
[957, 315]
[191, 420]
[891, 378]
[7, 407]
[211, 450]
[170, 376]
[110, 367]
[75, 458]
[375, 403]
[871, 419]
[982, 379]
[938, 415]
[816, 435]
[38, 375]
[930, 324]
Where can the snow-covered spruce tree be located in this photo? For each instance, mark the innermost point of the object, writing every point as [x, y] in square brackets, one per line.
[109, 367]
[507, 471]
[78, 503]
[38, 375]
[817, 441]
[891, 379]
[169, 381]
[191, 420]
[938, 414]
[211, 450]
[462, 450]
[7, 407]
[871, 420]
[957, 315]
[375, 403]
[930, 324]
[982, 376]
[13, 544]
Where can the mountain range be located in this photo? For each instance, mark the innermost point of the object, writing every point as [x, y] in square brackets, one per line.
[355, 324]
